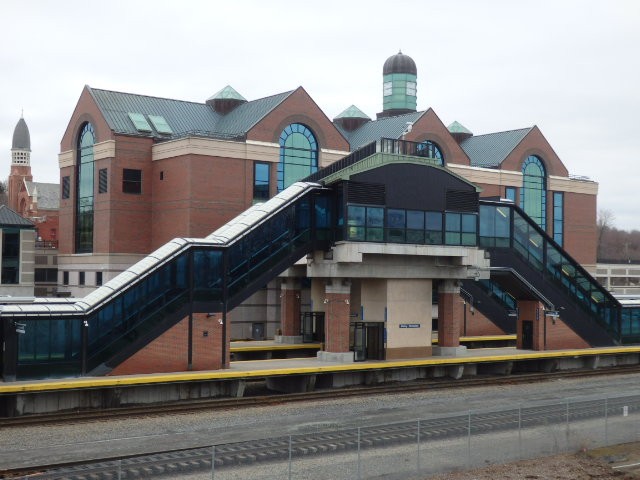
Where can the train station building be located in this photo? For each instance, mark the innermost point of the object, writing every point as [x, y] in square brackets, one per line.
[345, 231]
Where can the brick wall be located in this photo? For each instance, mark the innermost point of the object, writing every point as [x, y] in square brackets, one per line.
[337, 322]
[169, 352]
[478, 324]
[430, 127]
[299, 107]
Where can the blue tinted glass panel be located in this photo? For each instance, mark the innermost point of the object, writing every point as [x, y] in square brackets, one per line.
[396, 218]
[355, 215]
[261, 183]
[298, 155]
[558, 217]
[510, 193]
[415, 219]
[534, 190]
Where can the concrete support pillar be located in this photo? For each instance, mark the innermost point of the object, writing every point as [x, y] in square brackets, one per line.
[290, 312]
[450, 314]
[337, 308]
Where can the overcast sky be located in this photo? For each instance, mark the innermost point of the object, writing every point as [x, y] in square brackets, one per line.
[570, 67]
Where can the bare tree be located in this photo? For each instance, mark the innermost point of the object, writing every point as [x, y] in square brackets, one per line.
[4, 199]
[605, 221]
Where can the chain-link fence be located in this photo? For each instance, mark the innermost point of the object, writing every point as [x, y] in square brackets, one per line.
[407, 450]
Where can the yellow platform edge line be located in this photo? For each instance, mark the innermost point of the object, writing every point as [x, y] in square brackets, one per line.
[267, 348]
[94, 382]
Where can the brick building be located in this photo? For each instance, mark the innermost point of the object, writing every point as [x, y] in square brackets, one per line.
[137, 171]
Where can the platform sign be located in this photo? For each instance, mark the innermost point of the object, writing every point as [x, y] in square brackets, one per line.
[409, 325]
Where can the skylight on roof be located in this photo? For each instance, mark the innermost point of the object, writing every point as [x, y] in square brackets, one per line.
[160, 124]
[140, 122]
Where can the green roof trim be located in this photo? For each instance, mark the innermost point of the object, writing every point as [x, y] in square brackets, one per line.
[378, 159]
[457, 127]
[353, 112]
[227, 92]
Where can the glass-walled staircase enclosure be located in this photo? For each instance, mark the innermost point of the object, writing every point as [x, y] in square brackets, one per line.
[93, 334]
[516, 241]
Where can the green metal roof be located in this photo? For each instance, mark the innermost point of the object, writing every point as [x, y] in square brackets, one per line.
[491, 149]
[181, 117]
[227, 92]
[245, 116]
[389, 127]
[457, 127]
[9, 218]
[353, 112]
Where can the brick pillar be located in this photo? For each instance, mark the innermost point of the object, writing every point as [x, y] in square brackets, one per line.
[530, 326]
[450, 315]
[290, 310]
[336, 321]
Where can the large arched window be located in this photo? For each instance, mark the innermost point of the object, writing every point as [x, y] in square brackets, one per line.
[430, 149]
[533, 195]
[84, 190]
[298, 155]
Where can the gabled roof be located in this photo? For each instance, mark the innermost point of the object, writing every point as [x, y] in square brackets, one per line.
[389, 127]
[48, 194]
[182, 117]
[491, 149]
[9, 218]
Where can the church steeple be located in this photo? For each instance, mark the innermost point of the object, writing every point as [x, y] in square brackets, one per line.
[21, 145]
[20, 163]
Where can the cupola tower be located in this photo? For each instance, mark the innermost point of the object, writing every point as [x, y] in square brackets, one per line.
[399, 86]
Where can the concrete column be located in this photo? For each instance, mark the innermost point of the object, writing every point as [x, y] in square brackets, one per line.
[408, 318]
[530, 326]
[289, 312]
[450, 314]
[337, 308]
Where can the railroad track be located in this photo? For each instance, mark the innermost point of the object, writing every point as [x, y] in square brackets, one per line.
[76, 416]
[181, 462]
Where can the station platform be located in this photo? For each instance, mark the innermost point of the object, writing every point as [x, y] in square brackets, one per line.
[291, 375]
[269, 349]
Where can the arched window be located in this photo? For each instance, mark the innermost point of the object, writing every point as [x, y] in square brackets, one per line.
[84, 190]
[430, 149]
[533, 195]
[298, 155]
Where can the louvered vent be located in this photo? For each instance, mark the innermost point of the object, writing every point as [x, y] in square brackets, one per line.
[366, 193]
[462, 201]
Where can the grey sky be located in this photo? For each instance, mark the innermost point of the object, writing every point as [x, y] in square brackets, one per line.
[570, 67]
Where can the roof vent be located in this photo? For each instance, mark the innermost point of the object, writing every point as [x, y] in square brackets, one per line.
[225, 100]
[351, 119]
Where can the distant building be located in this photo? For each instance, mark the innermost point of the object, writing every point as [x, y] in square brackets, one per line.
[39, 203]
[620, 278]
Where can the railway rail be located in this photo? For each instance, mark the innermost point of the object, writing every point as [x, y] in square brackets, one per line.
[201, 457]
